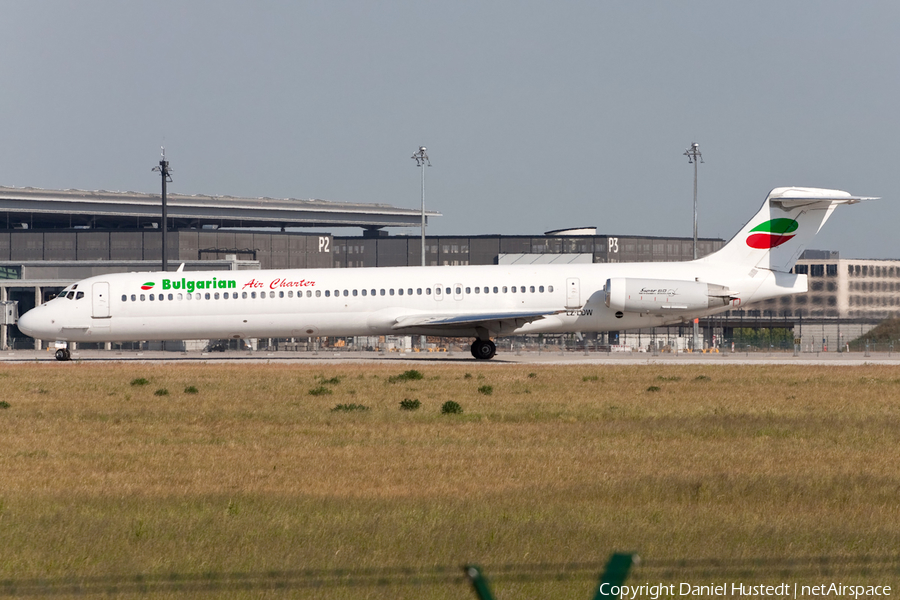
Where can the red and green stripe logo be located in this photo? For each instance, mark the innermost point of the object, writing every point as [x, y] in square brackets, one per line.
[772, 233]
[148, 286]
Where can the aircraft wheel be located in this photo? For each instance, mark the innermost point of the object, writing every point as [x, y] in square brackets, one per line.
[483, 349]
[62, 354]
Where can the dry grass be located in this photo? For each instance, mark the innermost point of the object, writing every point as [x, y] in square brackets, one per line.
[101, 478]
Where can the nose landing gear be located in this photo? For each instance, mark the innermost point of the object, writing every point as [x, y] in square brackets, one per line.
[63, 354]
[483, 349]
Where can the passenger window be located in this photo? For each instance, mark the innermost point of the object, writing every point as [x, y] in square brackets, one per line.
[418, 291]
[133, 297]
[522, 289]
[458, 291]
[504, 289]
[427, 291]
[400, 291]
[328, 293]
[271, 294]
[318, 293]
[207, 295]
[124, 298]
[170, 297]
[151, 297]
[409, 292]
[382, 292]
[253, 294]
[281, 294]
[478, 290]
[244, 295]
[180, 297]
[373, 292]
[143, 298]
[346, 293]
[354, 292]
[364, 292]
[448, 291]
[468, 290]
[188, 297]
[495, 289]
[216, 296]
[532, 289]
[290, 293]
[541, 289]
[513, 289]
[392, 291]
[550, 288]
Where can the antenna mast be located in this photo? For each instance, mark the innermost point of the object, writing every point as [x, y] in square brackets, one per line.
[163, 170]
[421, 159]
[694, 158]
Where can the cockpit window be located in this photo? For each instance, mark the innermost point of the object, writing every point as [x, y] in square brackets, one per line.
[79, 295]
[70, 295]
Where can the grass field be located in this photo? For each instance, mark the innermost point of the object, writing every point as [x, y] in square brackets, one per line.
[243, 481]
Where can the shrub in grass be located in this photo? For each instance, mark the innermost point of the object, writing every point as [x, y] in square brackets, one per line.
[161, 392]
[589, 378]
[319, 391]
[467, 376]
[333, 381]
[140, 381]
[669, 378]
[653, 388]
[532, 375]
[451, 408]
[701, 378]
[191, 390]
[487, 390]
[411, 375]
[407, 404]
[349, 407]
[5, 404]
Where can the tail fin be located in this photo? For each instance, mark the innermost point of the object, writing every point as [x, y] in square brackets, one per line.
[789, 219]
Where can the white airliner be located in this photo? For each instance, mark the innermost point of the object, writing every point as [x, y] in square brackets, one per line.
[478, 301]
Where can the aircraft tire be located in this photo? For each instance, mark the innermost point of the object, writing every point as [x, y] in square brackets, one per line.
[62, 354]
[483, 349]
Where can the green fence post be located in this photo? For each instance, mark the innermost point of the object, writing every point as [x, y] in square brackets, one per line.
[478, 581]
[615, 574]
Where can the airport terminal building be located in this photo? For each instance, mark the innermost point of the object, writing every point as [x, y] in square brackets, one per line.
[50, 239]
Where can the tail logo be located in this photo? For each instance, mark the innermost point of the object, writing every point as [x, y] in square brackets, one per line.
[148, 286]
[772, 233]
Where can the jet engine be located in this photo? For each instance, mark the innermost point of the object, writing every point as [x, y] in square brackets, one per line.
[664, 296]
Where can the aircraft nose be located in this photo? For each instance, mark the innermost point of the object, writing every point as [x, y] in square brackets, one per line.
[29, 323]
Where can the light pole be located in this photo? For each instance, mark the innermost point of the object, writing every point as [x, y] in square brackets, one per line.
[695, 157]
[163, 170]
[421, 159]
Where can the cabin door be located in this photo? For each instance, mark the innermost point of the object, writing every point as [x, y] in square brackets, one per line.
[100, 300]
[573, 293]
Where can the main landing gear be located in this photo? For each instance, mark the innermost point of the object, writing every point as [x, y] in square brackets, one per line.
[63, 354]
[483, 349]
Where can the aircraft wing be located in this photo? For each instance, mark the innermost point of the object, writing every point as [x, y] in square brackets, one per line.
[492, 321]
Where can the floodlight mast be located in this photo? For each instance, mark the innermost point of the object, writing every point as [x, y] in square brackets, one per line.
[163, 170]
[694, 158]
[422, 160]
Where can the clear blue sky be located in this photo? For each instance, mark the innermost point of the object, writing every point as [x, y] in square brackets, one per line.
[536, 115]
